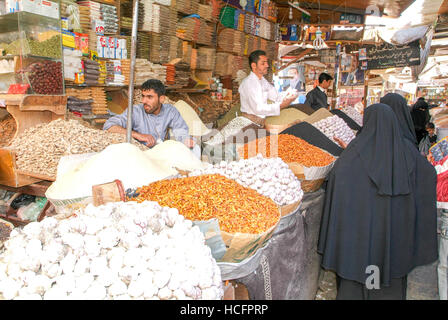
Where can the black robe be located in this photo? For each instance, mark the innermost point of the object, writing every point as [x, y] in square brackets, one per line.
[400, 108]
[314, 136]
[316, 99]
[420, 117]
[373, 213]
[349, 121]
[425, 182]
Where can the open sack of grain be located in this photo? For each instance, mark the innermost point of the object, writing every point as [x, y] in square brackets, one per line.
[125, 162]
[195, 125]
[287, 118]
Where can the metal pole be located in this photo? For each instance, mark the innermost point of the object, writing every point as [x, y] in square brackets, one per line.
[131, 80]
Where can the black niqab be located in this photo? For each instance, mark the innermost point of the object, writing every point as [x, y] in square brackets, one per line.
[349, 121]
[314, 136]
[420, 115]
[373, 214]
[400, 108]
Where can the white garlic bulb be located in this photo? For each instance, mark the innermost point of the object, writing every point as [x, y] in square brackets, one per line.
[129, 251]
[270, 177]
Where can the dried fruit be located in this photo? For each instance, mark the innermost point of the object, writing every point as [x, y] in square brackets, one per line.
[289, 148]
[238, 209]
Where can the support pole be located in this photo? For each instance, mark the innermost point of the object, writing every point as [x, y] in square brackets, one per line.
[131, 80]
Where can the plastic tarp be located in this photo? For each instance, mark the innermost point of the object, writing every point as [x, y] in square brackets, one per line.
[288, 267]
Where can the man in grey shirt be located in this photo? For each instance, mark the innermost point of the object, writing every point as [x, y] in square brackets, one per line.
[152, 118]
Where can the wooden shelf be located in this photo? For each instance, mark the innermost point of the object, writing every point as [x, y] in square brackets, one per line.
[331, 42]
[331, 24]
[244, 11]
[115, 3]
[185, 90]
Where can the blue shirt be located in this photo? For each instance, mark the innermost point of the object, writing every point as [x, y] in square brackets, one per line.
[155, 125]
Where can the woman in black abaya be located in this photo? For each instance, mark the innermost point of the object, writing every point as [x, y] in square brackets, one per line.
[420, 117]
[370, 214]
[424, 185]
[400, 108]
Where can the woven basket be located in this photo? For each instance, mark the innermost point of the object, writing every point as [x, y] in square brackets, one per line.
[306, 185]
[311, 185]
[289, 208]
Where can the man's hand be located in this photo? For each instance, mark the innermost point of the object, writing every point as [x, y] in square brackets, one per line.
[147, 139]
[340, 142]
[288, 100]
[189, 143]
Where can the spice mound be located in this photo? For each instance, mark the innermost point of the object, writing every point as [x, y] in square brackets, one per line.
[238, 209]
[289, 148]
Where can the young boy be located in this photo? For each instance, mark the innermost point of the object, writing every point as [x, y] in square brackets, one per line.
[429, 140]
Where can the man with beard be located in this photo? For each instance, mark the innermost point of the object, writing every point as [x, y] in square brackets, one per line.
[152, 118]
[258, 97]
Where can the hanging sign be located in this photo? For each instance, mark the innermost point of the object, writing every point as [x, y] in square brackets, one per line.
[390, 56]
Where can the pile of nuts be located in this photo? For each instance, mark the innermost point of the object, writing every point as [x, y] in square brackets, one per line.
[270, 177]
[39, 149]
[8, 128]
[352, 113]
[46, 77]
[289, 148]
[238, 209]
[335, 127]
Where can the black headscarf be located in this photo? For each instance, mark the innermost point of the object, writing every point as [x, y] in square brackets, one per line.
[401, 109]
[349, 121]
[314, 136]
[420, 114]
[381, 150]
[373, 213]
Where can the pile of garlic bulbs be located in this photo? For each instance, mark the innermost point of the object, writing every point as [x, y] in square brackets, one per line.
[271, 177]
[352, 113]
[122, 250]
[335, 127]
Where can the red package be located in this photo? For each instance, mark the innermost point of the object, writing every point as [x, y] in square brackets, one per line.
[18, 88]
[442, 187]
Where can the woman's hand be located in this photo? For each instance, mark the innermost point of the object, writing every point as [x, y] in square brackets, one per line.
[340, 142]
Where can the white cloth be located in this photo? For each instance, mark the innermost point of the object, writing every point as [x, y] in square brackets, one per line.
[254, 96]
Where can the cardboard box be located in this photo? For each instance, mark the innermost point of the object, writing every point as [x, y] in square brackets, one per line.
[49, 9]
[33, 6]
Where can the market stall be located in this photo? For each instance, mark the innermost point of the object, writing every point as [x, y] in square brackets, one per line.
[89, 215]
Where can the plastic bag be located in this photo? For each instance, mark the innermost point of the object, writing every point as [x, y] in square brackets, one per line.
[31, 212]
[22, 200]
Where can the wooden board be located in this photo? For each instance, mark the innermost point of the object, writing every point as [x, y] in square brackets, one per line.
[8, 172]
[28, 119]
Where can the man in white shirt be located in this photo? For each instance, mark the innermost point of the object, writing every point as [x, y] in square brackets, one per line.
[258, 97]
